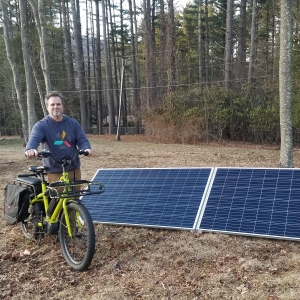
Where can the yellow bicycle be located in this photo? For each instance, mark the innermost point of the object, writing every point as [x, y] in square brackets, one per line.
[55, 209]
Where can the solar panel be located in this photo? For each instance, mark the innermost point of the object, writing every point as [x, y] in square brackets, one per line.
[165, 197]
[259, 202]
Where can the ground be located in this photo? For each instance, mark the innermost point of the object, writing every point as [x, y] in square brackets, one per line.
[144, 263]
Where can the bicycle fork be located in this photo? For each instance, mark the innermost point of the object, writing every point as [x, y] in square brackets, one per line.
[67, 218]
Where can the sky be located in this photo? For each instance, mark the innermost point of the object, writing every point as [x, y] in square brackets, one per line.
[179, 4]
[182, 3]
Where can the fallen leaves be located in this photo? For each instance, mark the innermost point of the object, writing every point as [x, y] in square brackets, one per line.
[144, 263]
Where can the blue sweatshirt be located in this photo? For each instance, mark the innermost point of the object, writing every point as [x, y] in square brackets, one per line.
[60, 138]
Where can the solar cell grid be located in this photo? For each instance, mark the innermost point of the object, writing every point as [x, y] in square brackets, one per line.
[149, 197]
[262, 202]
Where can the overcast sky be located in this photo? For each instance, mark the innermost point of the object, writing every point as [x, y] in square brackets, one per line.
[178, 4]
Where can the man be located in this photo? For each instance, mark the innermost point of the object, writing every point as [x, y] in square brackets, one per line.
[60, 135]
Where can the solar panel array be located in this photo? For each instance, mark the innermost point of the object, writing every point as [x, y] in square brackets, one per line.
[247, 201]
[149, 197]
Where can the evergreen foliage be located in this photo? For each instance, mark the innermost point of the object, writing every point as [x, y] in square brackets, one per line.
[191, 110]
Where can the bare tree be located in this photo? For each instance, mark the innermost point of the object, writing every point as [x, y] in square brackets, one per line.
[286, 150]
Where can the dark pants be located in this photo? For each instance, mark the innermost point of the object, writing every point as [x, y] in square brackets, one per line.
[73, 175]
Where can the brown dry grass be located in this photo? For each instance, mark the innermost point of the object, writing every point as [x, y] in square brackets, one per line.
[140, 263]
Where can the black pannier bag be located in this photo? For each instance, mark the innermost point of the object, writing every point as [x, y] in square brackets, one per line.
[16, 203]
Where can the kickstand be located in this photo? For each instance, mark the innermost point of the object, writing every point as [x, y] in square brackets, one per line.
[56, 240]
[39, 240]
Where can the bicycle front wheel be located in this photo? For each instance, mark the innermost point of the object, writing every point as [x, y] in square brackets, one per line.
[79, 249]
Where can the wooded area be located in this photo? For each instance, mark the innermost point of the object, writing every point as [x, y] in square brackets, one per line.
[208, 71]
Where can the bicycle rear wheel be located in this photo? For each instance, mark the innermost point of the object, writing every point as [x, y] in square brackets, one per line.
[29, 226]
[79, 249]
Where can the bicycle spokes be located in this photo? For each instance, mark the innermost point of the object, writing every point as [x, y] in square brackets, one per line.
[78, 249]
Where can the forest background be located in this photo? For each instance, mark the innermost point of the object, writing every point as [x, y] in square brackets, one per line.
[199, 72]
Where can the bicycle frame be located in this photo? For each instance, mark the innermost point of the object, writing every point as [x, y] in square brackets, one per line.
[61, 204]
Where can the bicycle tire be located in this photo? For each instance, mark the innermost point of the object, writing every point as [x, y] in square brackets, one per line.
[79, 250]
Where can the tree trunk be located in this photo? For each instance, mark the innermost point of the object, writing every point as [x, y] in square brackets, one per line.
[149, 55]
[274, 44]
[113, 52]
[109, 92]
[136, 99]
[228, 47]
[79, 64]
[171, 48]
[162, 81]
[40, 24]
[242, 41]
[40, 89]
[124, 94]
[286, 150]
[88, 69]
[200, 42]
[136, 41]
[27, 65]
[68, 54]
[253, 43]
[207, 60]
[98, 72]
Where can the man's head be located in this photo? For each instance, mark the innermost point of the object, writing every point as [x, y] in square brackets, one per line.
[54, 103]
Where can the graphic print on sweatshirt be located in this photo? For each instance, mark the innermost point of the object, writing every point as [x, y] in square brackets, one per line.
[62, 140]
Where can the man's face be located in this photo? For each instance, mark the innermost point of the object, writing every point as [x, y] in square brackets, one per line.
[55, 107]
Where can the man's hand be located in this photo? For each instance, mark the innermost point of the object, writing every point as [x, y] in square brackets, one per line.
[89, 151]
[31, 153]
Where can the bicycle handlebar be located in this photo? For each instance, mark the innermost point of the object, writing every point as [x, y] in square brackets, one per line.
[66, 160]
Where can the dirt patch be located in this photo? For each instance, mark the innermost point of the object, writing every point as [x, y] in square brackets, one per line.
[143, 263]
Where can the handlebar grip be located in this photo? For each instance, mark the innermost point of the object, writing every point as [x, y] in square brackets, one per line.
[44, 153]
[83, 152]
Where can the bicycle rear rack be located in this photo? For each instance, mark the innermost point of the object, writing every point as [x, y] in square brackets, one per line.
[76, 188]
